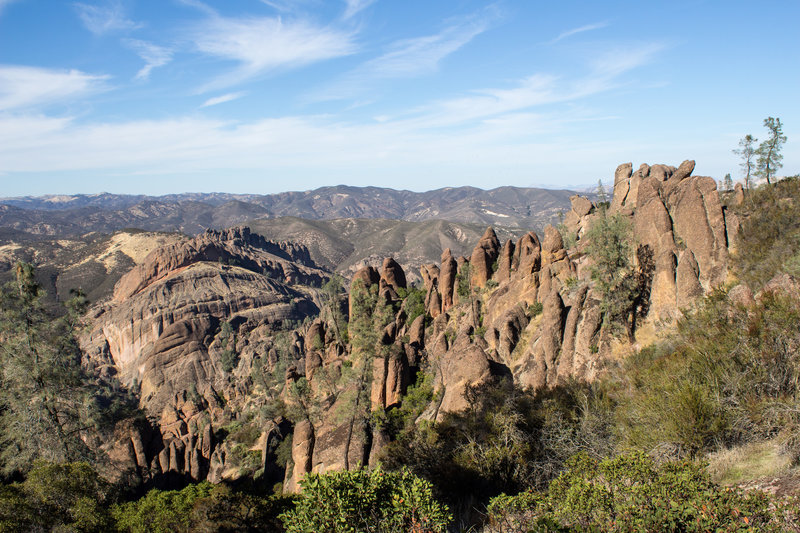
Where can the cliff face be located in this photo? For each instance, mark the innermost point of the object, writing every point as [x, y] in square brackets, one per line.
[182, 330]
[525, 309]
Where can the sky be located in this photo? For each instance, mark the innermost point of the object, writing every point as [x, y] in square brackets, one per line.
[263, 96]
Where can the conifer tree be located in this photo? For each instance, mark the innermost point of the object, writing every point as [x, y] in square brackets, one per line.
[747, 153]
[47, 400]
[769, 151]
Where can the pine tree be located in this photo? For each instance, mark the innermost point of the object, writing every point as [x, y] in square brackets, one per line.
[47, 400]
[602, 196]
[769, 151]
[747, 153]
[727, 182]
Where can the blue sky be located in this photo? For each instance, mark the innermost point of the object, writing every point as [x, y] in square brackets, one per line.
[263, 96]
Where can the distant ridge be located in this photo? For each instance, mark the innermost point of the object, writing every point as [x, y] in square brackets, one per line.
[190, 213]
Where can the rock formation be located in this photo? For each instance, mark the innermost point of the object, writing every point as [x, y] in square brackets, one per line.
[180, 325]
[196, 326]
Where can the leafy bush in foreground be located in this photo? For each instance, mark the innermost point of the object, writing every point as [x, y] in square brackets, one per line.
[56, 497]
[366, 501]
[634, 493]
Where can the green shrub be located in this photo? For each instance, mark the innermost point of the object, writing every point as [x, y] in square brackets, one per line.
[363, 500]
[621, 272]
[505, 438]
[769, 236]
[634, 493]
[227, 510]
[57, 497]
[463, 286]
[414, 303]
[730, 376]
[160, 511]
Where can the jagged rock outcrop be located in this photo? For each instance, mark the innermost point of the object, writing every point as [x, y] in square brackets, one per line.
[680, 218]
[181, 324]
[505, 262]
[392, 274]
[234, 246]
[483, 257]
[447, 279]
[302, 455]
[189, 330]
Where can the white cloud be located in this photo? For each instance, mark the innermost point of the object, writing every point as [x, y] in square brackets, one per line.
[505, 133]
[222, 99]
[620, 60]
[29, 87]
[104, 19]
[355, 6]
[154, 56]
[406, 58]
[412, 57]
[261, 45]
[575, 31]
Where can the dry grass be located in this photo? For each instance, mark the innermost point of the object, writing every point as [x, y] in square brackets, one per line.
[749, 462]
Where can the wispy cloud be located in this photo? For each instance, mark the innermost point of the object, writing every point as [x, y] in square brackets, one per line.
[106, 18]
[31, 87]
[421, 55]
[222, 99]
[581, 29]
[261, 45]
[355, 6]
[506, 131]
[622, 59]
[154, 56]
[605, 72]
[407, 58]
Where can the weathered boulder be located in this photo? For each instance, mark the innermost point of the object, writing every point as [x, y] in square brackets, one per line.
[539, 367]
[302, 455]
[687, 280]
[527, 255]
[504, 262]
[362, 279]
[462, 365]
[416, 333]
[738, 194]
[622, 185]
[699, 223]
[392, 274]
[447, 279]
[581, 205]
[483, 257]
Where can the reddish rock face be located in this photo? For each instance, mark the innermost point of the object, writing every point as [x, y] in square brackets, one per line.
[504, 262]
[392, 274]
[283, 261]
[302, 452]
[447, 279]
[483, 257]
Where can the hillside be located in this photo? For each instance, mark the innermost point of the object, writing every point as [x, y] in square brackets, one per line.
[192, 213]
[95, 261]
[346, 245]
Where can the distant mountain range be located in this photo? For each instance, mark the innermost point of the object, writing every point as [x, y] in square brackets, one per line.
[191, 213]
